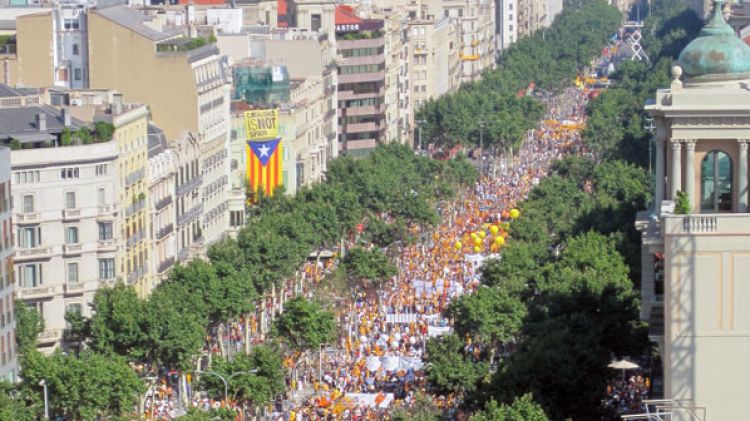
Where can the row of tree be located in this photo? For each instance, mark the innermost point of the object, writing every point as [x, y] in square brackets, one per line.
[389, 190]
[563, 301]
[496, 108]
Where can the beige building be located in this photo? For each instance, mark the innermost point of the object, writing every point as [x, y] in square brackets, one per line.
[476, 33]
[161, 176]
[435, 66]
[66, 214]
[536, 14]
[186, 86]
[695, 265]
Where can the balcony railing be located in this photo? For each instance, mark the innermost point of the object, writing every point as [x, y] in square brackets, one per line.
[106, 245]
[71, 214]
[163, 266]
[36, 292]
[134, 177]
[72, 248]
[188, 216]
[163, 202]
[136, 238]
[136, 274]
[706, 224]
[32, 253]
[28, 217]
[164, 231]
[187, 187]
[135, 207]
[75, 288]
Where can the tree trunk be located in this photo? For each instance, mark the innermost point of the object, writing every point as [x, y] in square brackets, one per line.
[220, 334]
[247, 334]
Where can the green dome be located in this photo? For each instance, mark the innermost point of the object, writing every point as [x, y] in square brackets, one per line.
[717, 52]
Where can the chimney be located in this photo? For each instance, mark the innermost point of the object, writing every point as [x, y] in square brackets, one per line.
[41, 122]
[66, 117]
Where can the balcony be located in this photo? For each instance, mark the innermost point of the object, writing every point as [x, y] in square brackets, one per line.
[75, 288]
[163, 202]
[711, 224]
[134, 208]
[69, 249]
[105, 212]
[362, 77]
[107, 283]
[135, 238]
[183, 254]
[35, 292]
[106, 246]
[33, 253]
[71, 214]
[165, 265]
[50, 336]
[190, 215]
[164, 231]
[136, 275]
[189, 186]
[134, 177]
[28, 218]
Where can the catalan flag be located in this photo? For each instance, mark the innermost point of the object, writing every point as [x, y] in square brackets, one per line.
[264, 165]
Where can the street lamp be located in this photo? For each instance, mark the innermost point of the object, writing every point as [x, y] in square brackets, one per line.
[224, 379]
[649, 127]
[419, 127]
[46, 399]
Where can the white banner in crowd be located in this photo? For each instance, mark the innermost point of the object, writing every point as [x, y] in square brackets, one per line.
[394, 363]
[403, 318]
[369, 399]
[433, 331]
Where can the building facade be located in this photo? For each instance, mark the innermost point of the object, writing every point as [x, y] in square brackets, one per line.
[475, 21]
[161, 175]
[8, 366]
[187, 87]
[65, 216]
[696, 255]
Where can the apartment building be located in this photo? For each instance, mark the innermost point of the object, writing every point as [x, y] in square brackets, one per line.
[161, 174]
[475, 22]
[8, 366]
[398, 115]
[506, 23]
[186, 84]
[129, 122]
[435, 62]
[536, 14]
[66, 212]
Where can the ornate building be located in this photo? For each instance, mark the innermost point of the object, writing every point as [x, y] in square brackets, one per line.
[696, 262]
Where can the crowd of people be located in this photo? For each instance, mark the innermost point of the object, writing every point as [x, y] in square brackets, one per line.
[626, 396]
[377, 364]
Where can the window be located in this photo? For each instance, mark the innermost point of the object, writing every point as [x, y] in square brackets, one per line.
[66, 173]
[70, 200]
[716, 182]
[105, 231]
[30, 237]
[31, 275]
[510, 6]
[28, 203]
[75, 49]
[71, 235]
[314, 22]
[72, 275]
[76, 74]
[106, 268]
[101, 169]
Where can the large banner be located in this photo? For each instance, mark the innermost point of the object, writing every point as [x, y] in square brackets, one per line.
[262, 124]
[264, 150]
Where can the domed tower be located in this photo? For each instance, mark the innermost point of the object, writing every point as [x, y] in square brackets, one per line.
[696, 252]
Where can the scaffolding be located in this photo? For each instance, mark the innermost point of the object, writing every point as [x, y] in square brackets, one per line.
[261, 85]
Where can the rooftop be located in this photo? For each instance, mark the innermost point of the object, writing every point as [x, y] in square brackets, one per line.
[133, 20]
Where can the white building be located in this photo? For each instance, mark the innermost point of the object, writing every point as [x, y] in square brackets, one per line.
[65, 215]
[161, 173]
[8, 367]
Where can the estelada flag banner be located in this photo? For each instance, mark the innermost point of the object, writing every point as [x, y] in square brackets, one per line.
[264, 165]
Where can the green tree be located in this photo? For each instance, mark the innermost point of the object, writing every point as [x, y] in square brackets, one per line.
[491, 316]
[16, 404]
[29, 324]
[522, 409]
[117, 324]
[447, 367]
[257, 377]
[305, 325]
[369, 266]
[83, 387]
